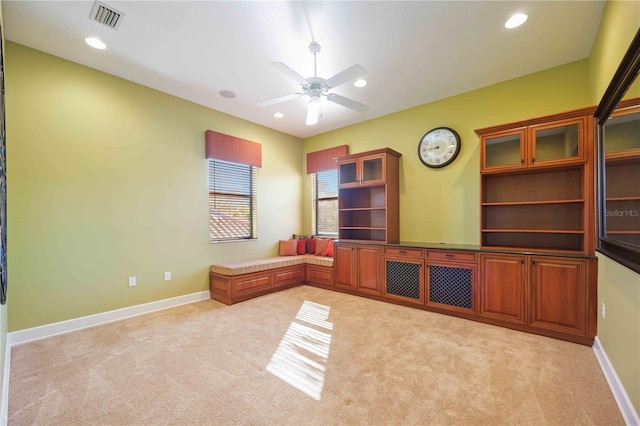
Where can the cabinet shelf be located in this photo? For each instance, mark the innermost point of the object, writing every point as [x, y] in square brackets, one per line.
[624, 232]
[532, 203]
[533, 186]
[363, 209]
[362, 227]
[534, 231]
[634, 198]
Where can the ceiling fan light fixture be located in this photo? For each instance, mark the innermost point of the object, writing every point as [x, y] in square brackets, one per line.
[313, 112]
[315, 88]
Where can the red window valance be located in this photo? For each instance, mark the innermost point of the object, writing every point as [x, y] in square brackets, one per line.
[229, 148]
[320, 161]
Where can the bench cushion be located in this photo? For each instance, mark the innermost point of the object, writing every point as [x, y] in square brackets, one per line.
[249, 266]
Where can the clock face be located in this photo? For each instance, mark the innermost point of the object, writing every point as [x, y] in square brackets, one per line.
[439, 147]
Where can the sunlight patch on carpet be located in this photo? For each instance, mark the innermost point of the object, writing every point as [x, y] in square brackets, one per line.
[303, 352]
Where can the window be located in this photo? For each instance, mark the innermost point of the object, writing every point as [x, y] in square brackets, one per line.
[232, 201]
[324, 210]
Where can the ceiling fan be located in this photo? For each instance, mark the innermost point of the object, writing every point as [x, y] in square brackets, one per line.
[316, 87]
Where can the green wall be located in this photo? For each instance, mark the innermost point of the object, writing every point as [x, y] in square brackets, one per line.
[442, 205]
[107, 179]
[618, 287]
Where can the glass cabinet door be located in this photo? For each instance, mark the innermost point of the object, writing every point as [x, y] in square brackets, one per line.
[504, 151]
[372, 170]
[348, 173]
[559, 142]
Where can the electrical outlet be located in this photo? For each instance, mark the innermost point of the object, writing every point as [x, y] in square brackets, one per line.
[603, 311]
[132, 281]
[167, 276]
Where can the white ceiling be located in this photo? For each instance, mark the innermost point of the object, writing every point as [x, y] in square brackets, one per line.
[414, 52]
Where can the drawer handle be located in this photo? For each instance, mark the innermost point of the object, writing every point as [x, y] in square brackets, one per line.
[402, 251]
[450, 255]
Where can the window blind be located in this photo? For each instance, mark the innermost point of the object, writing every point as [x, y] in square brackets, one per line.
[232, 201]
[325, 202]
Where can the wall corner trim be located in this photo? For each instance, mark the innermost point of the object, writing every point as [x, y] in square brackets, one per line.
[49, 330]
[624, 403]
[4, 403]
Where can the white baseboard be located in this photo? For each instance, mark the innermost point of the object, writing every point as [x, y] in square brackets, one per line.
[36, 333]
[624, 403]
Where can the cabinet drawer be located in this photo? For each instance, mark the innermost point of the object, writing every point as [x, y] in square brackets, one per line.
[251, 284]
[458, 256]
[404, 252]
[320, 275]
[288, 276]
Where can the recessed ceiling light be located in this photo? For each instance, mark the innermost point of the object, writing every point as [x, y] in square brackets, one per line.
[516, 20]
[227, 94]
[95, 43]
[361, 82]
[278, 115]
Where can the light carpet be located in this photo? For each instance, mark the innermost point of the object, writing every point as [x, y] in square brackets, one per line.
[335, 360]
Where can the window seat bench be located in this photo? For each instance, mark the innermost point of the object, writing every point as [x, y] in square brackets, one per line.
[234, 282]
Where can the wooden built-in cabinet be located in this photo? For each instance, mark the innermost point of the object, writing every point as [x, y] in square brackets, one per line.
[543, 293]
[358, 268]
[344, 266]
[549, 294]
[451, 281]
[537, 186]
[369, 269]
[535, 269]
[536, 205]
[404, 275]
[560, 298]
[368, 185]
[502, 287]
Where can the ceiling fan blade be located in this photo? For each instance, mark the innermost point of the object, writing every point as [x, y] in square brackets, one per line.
[346, 102]
[349, 74]
[289, 72]
[278, 99]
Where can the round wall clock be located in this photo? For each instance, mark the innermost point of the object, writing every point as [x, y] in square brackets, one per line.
[439, 147]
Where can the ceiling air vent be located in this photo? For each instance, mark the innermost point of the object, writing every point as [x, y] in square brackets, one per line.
[106, 15]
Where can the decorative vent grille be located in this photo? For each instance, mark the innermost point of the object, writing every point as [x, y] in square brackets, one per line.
[450, 286]
[403, 279]
[106, 15]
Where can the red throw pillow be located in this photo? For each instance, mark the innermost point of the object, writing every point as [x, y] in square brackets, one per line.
[302, 246]
[321, 245]
[311, 247]
[288, 247]
[329, 250]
